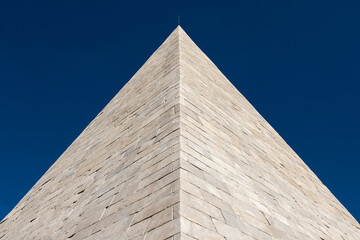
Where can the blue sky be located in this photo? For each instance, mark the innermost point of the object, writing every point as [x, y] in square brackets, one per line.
[297, 62]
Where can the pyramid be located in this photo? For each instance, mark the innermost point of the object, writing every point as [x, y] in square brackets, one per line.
[179, 153]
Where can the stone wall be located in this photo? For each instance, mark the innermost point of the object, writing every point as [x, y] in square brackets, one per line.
[179, 153]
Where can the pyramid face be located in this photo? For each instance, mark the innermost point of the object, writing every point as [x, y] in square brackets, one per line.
[179, 153]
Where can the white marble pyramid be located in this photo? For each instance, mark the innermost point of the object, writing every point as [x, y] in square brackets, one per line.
[179, 153]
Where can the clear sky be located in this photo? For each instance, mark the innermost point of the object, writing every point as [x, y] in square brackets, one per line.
[297, 62]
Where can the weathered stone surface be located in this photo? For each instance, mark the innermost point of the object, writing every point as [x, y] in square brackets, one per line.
[179, 153]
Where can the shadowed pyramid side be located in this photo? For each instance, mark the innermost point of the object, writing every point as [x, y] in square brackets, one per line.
[239, 178]
[120, 178]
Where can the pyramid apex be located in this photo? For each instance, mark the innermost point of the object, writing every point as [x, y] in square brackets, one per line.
[179, 27]
[179, 30]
